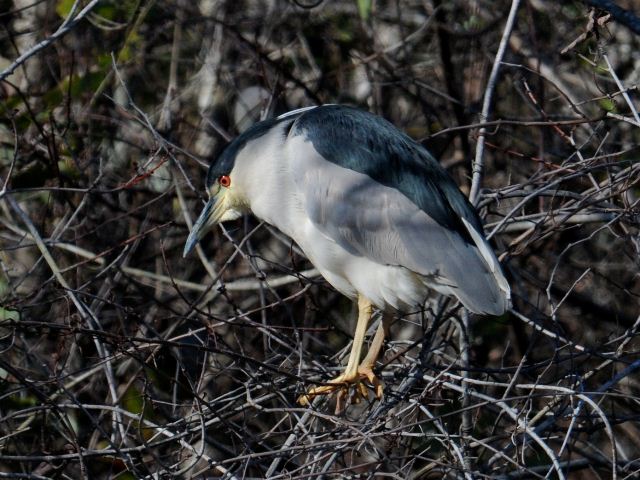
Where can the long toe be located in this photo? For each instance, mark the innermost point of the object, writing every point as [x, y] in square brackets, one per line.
[365, 372]
[314, 392]
[337, 383]
[340, 385]
[341, 396]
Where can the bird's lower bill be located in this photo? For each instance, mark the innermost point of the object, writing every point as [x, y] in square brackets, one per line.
[213, 213]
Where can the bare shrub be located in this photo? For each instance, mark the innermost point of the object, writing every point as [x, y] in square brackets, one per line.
[121, 359]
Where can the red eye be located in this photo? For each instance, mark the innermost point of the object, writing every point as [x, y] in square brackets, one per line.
[225, 181]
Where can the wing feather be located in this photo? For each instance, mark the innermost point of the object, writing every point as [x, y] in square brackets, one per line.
[380, 223]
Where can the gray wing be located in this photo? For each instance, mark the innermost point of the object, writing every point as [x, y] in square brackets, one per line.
[380, 223]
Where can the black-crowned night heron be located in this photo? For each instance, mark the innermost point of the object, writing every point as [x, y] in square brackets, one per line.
[375, 213]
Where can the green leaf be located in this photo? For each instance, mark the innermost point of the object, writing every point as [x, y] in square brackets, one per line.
[67, 166]
[474, 22]
[133, 401]
[607, 104]
[364, 9]
[9, 315]
[131, 47]
[107, 11]
[64, 7]
[125, 476]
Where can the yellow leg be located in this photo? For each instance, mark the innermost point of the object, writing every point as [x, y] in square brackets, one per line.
[350, 375]
[365, 370]
[365, 311]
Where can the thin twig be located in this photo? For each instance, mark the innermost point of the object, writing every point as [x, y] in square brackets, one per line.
[62, 30]
[478, 163]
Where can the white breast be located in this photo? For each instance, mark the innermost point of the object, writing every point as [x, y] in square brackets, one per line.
[276, 199]
[387, 287]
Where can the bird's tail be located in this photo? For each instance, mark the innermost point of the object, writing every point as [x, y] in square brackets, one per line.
[494, 268]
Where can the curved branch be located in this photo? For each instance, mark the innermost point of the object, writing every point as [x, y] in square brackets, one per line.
[65, 28]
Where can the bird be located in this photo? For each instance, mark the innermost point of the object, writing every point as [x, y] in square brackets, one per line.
[376, 214]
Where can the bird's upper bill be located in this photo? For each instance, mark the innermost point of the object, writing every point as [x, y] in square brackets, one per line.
[214, 212]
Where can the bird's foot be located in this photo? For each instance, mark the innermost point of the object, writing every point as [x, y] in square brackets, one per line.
[342, 385]
[366, 372]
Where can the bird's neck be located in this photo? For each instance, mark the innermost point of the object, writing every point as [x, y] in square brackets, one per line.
[267, 183]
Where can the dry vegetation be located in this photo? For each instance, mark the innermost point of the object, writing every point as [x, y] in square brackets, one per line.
[120, 359]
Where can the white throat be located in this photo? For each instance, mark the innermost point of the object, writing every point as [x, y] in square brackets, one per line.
[266, 182]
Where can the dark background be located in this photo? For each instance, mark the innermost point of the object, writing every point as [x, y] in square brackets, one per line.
[121, 359]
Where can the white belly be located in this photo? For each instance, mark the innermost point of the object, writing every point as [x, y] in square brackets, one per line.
[387, 287]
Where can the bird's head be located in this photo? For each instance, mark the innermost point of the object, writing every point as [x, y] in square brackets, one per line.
[225, 203]
[225, 189]
[231, 178]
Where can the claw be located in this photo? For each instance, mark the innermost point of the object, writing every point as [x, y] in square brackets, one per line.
[340, 397]
[361, 391]
[341, 386]
[365, 371]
